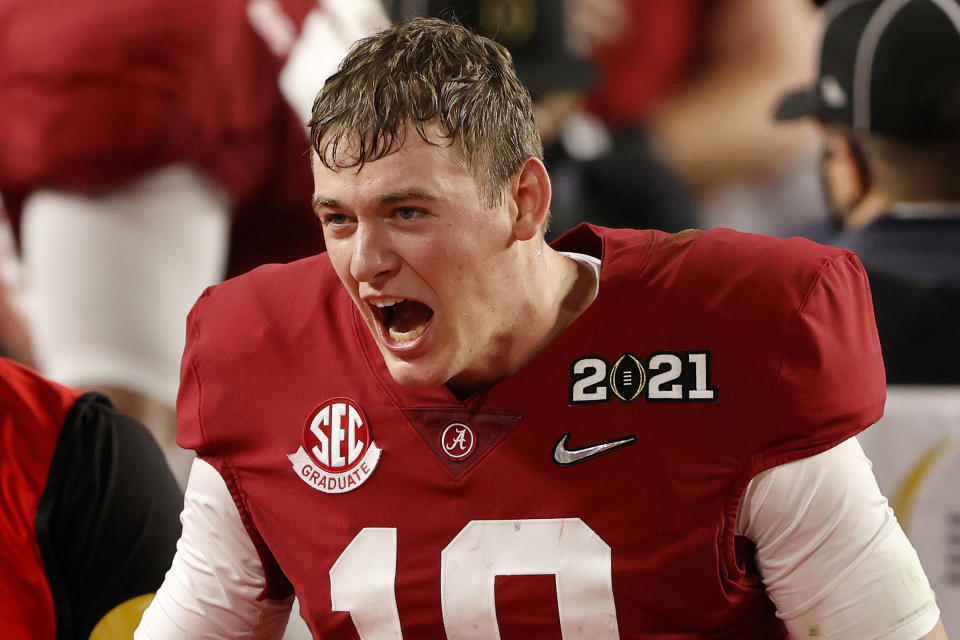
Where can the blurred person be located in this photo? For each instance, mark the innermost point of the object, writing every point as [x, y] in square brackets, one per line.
[446, 427]
[89, 508]
[694, 79]
[604, 177]
[888, 101]
[887, 105]
[136, 139]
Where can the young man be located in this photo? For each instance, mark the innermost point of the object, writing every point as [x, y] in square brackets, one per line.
[446, 428]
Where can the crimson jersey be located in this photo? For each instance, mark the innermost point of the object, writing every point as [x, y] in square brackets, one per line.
[32, 413]
[96, 94]
[593, 492]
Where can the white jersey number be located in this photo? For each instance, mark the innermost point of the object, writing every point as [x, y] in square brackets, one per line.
[362, 578]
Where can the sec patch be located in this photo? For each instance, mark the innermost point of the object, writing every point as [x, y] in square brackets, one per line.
[338, 453]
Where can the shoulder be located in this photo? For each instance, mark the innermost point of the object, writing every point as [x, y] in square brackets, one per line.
[707, 268]
[808, 306]
[788, 324]
[282, 293]
[278, 277]
[270, 309]
[246, 336]
[724, 255]
[722, 250]
[736, 282]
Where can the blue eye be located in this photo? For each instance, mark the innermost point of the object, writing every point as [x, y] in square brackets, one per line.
[408, 213]
[335, 220]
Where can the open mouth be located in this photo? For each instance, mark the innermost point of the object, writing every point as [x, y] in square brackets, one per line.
[403, 320]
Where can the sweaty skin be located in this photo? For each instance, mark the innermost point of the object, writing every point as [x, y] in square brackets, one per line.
[414, 226]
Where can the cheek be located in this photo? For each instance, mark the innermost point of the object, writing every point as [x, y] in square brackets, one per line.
[340, 259]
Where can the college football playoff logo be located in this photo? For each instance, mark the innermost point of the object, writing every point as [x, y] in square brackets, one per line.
[663, 376]
[338, 452]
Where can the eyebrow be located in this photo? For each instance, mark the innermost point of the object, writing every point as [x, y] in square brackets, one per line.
[407, 194]
[323, 201]
[320, 201]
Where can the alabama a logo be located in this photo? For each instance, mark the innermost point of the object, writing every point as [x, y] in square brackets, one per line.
[338, 452]
[458, 441]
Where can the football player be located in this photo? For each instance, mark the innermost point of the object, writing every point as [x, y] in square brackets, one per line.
[446, 428]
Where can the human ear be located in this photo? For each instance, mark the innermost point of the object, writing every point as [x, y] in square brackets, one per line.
[860, 170]
[844, 172]
[531, 195]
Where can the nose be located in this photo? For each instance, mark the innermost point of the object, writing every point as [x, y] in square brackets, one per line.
[373, 256]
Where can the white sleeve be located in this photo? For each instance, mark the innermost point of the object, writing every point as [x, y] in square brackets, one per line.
[212, 587]
[831, 553]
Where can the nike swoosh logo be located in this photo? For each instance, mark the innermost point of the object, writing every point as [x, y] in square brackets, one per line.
[565, 456]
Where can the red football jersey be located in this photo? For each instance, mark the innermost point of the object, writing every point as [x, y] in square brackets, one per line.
[32, 412]
[593, 493]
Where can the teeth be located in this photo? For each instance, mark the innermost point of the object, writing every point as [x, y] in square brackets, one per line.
[386, 302]
[407, 336]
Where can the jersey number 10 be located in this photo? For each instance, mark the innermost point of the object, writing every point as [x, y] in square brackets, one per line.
[362, 578]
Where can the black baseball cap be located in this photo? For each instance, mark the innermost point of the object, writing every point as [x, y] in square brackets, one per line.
[889, 67]
[533, 30]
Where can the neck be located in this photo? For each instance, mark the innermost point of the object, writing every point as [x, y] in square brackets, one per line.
[878, 203]
[551, 292]
[573, 293]
[874, 204]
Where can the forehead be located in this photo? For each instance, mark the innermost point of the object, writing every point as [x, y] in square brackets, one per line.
[412, 162]
[344, 149]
